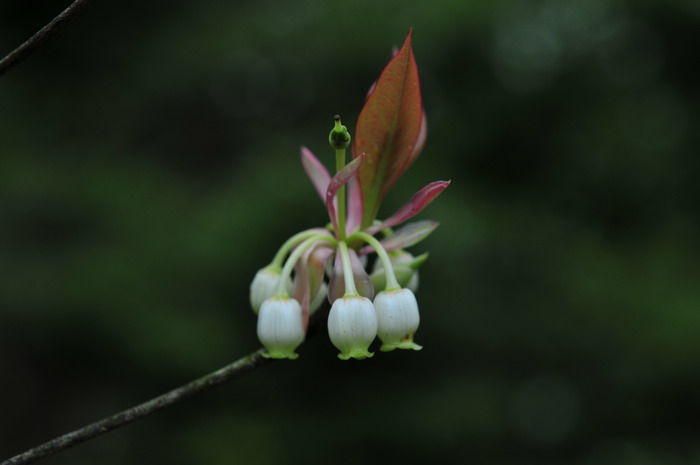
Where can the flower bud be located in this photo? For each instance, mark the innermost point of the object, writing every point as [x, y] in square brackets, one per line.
[352, 326]
[406, 275]
[397, 319]
[339, 138]
[264, 286]
[280, 327]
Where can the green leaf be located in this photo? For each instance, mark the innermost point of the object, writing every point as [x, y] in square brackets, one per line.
[390, 129]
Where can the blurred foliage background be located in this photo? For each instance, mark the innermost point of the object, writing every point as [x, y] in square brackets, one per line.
[149, 166]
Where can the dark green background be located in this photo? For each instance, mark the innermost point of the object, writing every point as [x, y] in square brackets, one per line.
[149, 166]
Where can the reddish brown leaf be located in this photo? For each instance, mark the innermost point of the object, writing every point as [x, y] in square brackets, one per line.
[389, 129]
[418, 202]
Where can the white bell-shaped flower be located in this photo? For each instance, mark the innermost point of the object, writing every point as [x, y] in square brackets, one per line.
[280, 327]
[264, 286]
[397, 319]
[352, 326]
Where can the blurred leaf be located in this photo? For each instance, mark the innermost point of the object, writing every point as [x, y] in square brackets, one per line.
[389, 129]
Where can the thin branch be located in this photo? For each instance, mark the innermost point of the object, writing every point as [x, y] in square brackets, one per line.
[234, 370]
[230, 372]
[18, 55]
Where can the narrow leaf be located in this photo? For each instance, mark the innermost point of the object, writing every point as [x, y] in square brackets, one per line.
[418, 202]
[390, 129]
[407, 236]
[355, 207]
[338, 181]
[422, 136]
[317, 173]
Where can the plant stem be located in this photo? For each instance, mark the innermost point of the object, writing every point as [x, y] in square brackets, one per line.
[18, 55]
[223, 375]
[340, 164]
[240, 367]
[278, 261]
[350, 289]
[391, 282]
[292, 260]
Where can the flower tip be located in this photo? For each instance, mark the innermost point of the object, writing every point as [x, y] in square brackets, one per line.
[406, 345]
[339, 138]
[356, 354]
[277, 355]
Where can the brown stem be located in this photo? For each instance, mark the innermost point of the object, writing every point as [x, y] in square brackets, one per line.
[230, 372]
[18, 55]
[234, 370]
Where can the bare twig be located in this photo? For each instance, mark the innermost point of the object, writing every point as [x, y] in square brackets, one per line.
[234, 370]
[18, 55]
[230, 372]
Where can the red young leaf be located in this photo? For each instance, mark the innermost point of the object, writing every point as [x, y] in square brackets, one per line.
[355, 206]
[408, 235]
[418, 202]
[390, 129]
[317, 173]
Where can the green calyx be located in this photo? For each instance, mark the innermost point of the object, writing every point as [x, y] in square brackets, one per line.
[417, 261]
[280, 354]
[406, 343]
[339, 138]
[358, 354]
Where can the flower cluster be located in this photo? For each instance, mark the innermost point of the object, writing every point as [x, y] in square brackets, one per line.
[330, 263]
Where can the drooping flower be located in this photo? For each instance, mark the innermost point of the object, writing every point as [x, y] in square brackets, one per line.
[390, 134]
[352, 326]
[397, 319]
[280, 327]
